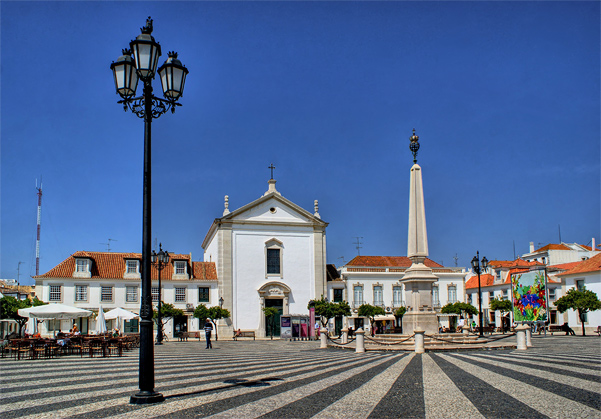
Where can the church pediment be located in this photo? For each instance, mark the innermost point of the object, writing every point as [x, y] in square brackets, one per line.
[272, 209]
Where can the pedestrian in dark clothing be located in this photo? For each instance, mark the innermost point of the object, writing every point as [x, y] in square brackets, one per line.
[568, 329]
[208, 330]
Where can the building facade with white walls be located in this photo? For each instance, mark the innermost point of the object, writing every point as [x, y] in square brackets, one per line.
[268, 253]
[89, 280]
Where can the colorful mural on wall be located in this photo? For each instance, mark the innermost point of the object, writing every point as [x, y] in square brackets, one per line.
[529, 296]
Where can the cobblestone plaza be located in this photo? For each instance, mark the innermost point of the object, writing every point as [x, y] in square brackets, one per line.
[560, 377]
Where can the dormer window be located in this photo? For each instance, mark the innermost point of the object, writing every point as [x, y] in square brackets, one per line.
[180, 268]
[82, 268]
[132, 268]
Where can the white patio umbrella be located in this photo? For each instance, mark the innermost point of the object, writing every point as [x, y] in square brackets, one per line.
[100, 321]
[120, 314]
[54, 311]
[32, 326]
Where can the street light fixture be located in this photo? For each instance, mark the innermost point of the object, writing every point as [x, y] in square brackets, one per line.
[161, 259]
[126, 72]
[479, 266]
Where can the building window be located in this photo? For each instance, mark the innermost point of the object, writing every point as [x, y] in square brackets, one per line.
[55, 293]
[131, 294]
[435, 297]
[378, 300]
[551, 293]
[273, 261]
[337, 295]
[203, 294]
[491, 295]
[106, 294]
[180, 295]
[358, 295]
[180, 267]
[155, 294]
[397, 296]
[81, 266]
[580, 284]
[505, 294]
[452, 294]
[81, 293]
[132, 266]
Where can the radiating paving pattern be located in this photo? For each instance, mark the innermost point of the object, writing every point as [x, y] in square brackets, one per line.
[559, 378]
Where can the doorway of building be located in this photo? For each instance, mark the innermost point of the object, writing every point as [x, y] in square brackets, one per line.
[180, 324]
[274, 323]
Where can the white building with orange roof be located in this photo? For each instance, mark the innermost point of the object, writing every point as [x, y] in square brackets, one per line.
[585, 274]
[555, 254]
[90, 279]
[496, 283]
[377, 280]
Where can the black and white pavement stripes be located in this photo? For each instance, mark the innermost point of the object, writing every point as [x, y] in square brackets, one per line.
[559, 378]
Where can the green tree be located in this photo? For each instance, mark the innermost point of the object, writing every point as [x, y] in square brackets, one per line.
[328, 310]
[369, 311]
[270, 313]
[504, 306]
[399, 313]
[459, 308]
[214, 313]
[9, 309]
[168, 311]
[581, 301]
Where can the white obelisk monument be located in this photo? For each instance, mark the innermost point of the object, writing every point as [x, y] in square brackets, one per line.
[418, 279]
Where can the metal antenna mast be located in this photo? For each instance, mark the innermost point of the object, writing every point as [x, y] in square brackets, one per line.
[108, 245]
[18, 277]
[37, 241]
[456, 259]
[358, 247]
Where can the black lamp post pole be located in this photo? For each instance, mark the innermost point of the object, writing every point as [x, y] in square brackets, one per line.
[159, 315]
[146, 371]
[479, 295]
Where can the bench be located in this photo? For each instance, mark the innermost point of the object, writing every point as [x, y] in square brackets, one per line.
[244, 334]
[185, 335]
[555, 328]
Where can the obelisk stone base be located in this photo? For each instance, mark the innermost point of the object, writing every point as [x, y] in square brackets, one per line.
[426, 320]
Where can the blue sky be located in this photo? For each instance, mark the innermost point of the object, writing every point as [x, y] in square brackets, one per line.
[504, 97]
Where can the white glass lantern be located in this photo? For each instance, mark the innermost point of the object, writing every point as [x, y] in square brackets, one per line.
[146, 52]
[173, 77]
[125, 75]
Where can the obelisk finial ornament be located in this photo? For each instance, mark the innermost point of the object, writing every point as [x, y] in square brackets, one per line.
[414, 146]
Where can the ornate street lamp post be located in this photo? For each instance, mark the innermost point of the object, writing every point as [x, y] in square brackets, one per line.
[127, 70]
[478, 268]
[161, 259]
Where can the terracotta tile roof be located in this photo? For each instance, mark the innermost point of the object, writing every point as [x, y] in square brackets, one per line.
[108, 265]
[388, 261]
[563, 266]
[486, 280]
[332, 273]
[518, 263]
[590, 265]
[552, 246]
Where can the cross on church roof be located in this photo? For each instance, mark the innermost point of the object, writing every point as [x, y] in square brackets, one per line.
[271, 167]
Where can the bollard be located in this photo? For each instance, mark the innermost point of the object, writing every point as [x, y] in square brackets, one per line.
[419, 341]
[324, 339]
[465, 329]
[521, 331]
[529, 336]
[344, 335]
[360, 340]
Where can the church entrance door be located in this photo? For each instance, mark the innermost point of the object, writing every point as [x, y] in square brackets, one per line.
[277, 303]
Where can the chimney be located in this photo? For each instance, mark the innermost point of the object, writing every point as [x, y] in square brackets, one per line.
[593, 244]
[531, 247]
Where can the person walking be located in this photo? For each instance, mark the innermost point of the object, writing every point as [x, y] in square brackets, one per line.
[208, 330]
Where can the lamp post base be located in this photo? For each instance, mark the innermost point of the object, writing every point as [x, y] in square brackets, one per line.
[146, 397]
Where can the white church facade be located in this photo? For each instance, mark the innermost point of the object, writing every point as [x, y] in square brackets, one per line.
[268, 253]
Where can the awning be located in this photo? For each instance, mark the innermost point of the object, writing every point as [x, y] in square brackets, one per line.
[387, 317]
